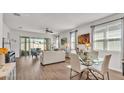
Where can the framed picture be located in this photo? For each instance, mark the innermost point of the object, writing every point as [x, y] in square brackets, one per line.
[63, 41]
[83, 39]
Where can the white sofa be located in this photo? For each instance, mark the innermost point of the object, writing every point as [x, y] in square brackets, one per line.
[49, 57]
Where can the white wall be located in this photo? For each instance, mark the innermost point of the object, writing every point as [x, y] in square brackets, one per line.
[6, 30]
[65, 34]
[15, 35]
[115, 62]
[1, 29]
[83, 29]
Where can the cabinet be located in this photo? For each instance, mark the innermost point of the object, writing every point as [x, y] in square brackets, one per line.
[8, 71]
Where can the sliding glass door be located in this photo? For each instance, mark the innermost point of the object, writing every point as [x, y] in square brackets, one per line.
[27, 44]
[38, 43]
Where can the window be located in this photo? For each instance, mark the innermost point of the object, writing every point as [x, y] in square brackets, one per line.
[108, 36]
[73, 40]
[99, 38]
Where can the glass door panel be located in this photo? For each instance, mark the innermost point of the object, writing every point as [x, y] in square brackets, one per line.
[27, 44]
[25, 47]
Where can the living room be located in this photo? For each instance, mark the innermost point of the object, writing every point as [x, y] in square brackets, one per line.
[57, 35]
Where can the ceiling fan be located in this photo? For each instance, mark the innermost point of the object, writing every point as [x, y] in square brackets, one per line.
[49, 31]
[16, 14]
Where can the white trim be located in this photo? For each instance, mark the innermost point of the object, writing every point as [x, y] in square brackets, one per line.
[119, 70]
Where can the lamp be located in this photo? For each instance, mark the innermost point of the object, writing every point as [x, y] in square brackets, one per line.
[66, 48]
[87, 45]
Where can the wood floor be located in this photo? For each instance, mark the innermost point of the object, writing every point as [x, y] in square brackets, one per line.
[28, 68]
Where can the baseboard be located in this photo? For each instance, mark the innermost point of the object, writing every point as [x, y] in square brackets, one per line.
[116, 70]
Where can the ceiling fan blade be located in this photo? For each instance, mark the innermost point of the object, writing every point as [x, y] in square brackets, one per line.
[51, 31]
[47, 30]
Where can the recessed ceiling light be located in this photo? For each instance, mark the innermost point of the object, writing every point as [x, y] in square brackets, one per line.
[20, 27]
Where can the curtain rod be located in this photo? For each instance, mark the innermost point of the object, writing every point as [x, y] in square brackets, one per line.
[73, 31]
[106, 22]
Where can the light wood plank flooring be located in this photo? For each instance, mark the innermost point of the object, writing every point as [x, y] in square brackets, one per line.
[28, 68]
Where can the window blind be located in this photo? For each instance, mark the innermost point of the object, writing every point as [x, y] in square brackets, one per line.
[108, 36]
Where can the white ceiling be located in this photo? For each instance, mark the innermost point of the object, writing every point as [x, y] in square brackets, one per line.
[37, 22]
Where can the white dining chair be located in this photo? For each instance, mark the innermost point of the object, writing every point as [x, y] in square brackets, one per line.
[75, 65]
[104, 69]
[94, 54]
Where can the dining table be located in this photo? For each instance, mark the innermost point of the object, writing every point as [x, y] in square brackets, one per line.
[91, 65]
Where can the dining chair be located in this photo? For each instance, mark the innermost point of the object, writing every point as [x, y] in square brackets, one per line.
[75, 65]
[104, 69]
[94, 54]
[77, 50]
